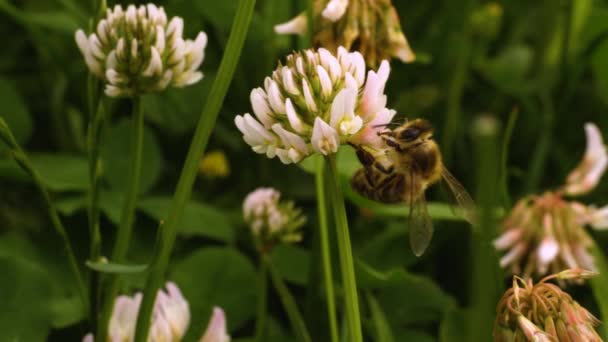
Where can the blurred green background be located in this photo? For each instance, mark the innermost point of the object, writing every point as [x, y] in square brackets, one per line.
[545, 60]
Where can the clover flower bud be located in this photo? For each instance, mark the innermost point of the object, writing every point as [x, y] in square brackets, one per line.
[543, 312]
[270, 219]
[140, 51]
[315, 103]
[371, 25]
[213, 165]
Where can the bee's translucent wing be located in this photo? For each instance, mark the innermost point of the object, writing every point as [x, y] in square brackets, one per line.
[420, 225]
[460, 195]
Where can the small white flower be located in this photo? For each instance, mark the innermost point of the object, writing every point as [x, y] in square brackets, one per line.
[143, 51]
[325, 139]
[261, 140]
[373, 99]
[124, 317]
[259, 103]
[270, 219]
[173, 310]
[297, 25]
[335, 9]
[588, 173]
[598, 217]
[216, 329]
[508, 239]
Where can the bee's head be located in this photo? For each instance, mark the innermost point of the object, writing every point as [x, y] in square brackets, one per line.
[412, 132]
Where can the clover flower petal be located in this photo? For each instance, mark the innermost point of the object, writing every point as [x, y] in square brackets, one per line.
[588, 173]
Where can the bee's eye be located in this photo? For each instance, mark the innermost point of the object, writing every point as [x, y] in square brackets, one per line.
[410, 134]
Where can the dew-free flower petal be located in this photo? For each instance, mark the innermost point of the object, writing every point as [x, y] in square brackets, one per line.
[298, 25]
[216, 329]
[335, 9]
[588, 173]
[325, 139]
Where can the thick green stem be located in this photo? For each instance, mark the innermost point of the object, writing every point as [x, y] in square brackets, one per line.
[205, 125]
[260, 323]
[347, 267]
[289, 304]
[125, 230]
[22, 159]
[325, 251]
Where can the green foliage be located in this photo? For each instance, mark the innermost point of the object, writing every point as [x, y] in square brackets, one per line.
[546, 60]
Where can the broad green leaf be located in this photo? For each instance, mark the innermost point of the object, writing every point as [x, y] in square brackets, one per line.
[508, 71]
[62, 172]
[388, 248]
[115, 153]
[24, 315]
[216, 276]
[292, 263]
[219, 13]
[198, 219]
[454, 325]
[109, 267]
[110, 204]
[14, 111]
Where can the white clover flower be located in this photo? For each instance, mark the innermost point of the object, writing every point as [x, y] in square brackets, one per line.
[170, 318]
[588, 173]
[347, 23]
[547, 232]
[270, 219]
[216, 329]
[315, 103]
[139, 51]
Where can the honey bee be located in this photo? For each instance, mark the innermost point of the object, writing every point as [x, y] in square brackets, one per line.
[402, 173]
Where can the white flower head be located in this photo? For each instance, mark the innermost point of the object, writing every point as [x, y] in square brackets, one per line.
[270, 219]
[587, 174]
[315, 103]
[216, 329]
[139, 51]
[298, 25]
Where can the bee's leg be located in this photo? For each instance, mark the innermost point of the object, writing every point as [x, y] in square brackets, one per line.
[386, 170]
[364, 156]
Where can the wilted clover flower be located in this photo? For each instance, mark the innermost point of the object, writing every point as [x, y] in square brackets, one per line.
[543, 312]
[546, 233]
[270, 219]
[370, 25]
[315, 103]
[170, 318]
[139, 51]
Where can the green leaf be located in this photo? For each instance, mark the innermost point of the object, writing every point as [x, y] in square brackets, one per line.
[115, 154]
[508, 71]
[62, 172]
[53, 20]
[14, 112]
[198, 219]
[219, 13]
[381, 325]
[292, 263]
[24, 315]
[216, 277]
[454, 326]
[405, 297]
[108, 267]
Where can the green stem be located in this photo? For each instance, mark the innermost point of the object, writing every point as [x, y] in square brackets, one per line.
[347, 267]
[325, 251]
[205, 125]
[125, 230]
[291, 308]
[260, 323]
[93, 142]
[599, 285]
[504, 156]
[24, 162]
[539, 158]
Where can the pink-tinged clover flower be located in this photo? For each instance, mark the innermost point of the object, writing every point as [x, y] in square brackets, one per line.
[544, 312]
[315, 103]
[216, 329]
[371, 25]
[546, 233]
[140, 50]
[270, 219]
